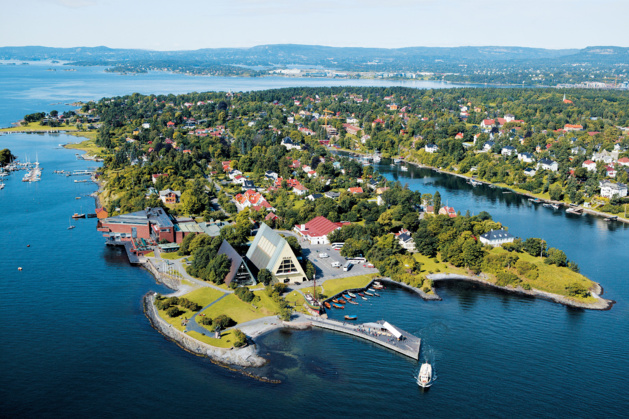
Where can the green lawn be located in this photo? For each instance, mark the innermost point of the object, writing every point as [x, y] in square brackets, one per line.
[240, 311]
[431, 265]
[203, 296]
[552, 278]
[334, 286]
[36, 126]
[297, 301]
[89, 146]
[87, 134]
[226, 340]
[170, 255]
[176, 321]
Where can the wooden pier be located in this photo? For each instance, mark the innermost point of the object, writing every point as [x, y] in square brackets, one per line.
[379, 332]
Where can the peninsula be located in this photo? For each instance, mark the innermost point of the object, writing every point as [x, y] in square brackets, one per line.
[238, 201]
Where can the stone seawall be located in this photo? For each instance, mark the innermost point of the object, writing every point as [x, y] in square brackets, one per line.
[245, 357]
[421, 293]
[600, 303]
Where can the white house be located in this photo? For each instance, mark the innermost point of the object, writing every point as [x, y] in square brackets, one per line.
[232, 175]
[526, 157]
[507, 150]
[530, 172]
[609, 189]
[547, 164]
[406, 241]
[508, 117]
[488, 145]
[431, 148]
[289, 144]
[590, 165]
[496, 238]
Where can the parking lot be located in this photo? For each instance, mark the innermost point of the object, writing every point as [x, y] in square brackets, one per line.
[324, 265]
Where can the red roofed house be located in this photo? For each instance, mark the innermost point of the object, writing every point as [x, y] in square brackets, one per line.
[570, 127]
[356, 190]
[487, 123]
[250, 198]
[459, 136]
[299, 189]
[624, 161]
[156, 176]
[351, 129]
[316, 230]
[170, 124]
[449, 211]
[101, 213]
[611, 171]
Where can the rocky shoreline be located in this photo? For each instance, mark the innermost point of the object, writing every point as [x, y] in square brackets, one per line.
[418, 291]
[600, 304]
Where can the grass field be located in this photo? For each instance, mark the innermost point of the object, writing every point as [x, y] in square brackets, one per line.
[297, 301]
[552, 278]
[88, 146]
[240, 311]
[91, 135]
[170, 255]
[334, 286]
[226, 340]
[37, 127]
[203, 296]
[176, 321]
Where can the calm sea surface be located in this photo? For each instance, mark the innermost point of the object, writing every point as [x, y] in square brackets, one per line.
[75, 342]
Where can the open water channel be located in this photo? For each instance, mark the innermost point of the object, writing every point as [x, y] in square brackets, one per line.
[76, 343]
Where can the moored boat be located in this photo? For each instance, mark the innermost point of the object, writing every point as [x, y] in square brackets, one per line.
[350, 317]
[369, 294]
[364, 298]
[338, 306]
[351, 295]
[327, 305]
[424, 379]
[352, 302]
[334, 300]
[376, 294]
[341, 301]
[347, 297]
[361, 294]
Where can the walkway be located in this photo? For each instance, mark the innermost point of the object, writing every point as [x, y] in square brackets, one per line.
[196, 327]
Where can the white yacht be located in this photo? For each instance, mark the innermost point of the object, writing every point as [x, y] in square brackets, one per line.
[424, 379]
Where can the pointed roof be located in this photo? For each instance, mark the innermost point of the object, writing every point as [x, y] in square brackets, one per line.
[236, 261]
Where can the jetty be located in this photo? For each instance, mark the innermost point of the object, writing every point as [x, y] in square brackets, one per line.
[381, 333]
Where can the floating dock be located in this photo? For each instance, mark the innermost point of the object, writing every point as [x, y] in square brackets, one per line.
[381, 333]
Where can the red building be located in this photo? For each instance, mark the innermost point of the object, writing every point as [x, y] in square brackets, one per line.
[151, 224]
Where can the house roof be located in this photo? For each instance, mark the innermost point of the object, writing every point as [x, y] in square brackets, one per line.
[266, 248]
[497, 235]
[319, 226]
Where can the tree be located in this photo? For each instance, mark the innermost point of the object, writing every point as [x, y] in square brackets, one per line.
[6, 157]
[555, 192]
[534, 246]
[436, 202]
[556, 257]
[265, 276]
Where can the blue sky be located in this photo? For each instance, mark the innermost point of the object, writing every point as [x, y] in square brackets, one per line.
[194, 24]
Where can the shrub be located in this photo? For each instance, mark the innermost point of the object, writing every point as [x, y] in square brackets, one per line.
[241, 338]
[173, 311]
[526, 286]
[527, 269]
[577, 290]
[223, 321]
[244, 294]
[207, 321]
[507, 279]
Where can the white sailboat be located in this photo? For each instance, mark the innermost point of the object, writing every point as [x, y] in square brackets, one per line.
[424, 379]
[71, 226]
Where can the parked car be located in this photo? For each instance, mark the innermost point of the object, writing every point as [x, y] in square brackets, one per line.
[323, 255]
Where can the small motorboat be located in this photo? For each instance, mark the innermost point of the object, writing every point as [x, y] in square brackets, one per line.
[334, 300]
[361, 294]
[341, 301]
[327, 305]
[338, 306]
[369, 294]
[352, 302]
[376, 294]
[370, 290]
[378, 287]
[350, 317]
[364, 298]
[347, 297]
[351, 295]
[77, 215]
[424, 379]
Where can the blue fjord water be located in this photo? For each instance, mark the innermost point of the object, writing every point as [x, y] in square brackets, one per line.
[75, 342]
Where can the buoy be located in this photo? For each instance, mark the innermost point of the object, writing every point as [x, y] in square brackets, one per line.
[28, 245]
[19, 269]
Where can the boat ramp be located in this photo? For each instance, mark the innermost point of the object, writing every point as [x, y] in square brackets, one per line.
[381, 333]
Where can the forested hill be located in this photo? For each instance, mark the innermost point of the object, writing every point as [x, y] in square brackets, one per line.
[346, 58]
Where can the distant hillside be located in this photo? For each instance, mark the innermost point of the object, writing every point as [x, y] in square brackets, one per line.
[321, 55]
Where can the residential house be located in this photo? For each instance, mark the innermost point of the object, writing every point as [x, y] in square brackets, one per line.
[578, 150]
[624, 161]
[314, 196]
[530, 172]
[488, 146]
[508, 150]
[355, 190]
[289, 144]
[169, 196]
[449, 211]
[271, 175]
[589, 165]
[487, 123]
[332, 194]
[271, 251]
[300, 190]
[570, 127]
[496, 237]
[547, 164]
[431, 148]
[526, 157]
[406, 241]
[156, 177]
[609, 189]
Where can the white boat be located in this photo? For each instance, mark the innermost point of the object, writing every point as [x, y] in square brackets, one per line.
[404, 168]
[351, 294]
[424, 379]
[376, 158]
